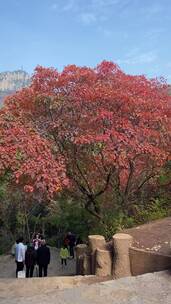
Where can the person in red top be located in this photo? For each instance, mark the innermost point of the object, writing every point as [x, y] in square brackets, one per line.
[37, 242]
[66, 241]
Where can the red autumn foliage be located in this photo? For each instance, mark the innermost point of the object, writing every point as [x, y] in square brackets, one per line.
[28, 157]
[98, 128]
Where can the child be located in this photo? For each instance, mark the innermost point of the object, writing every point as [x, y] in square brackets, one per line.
[64, 254]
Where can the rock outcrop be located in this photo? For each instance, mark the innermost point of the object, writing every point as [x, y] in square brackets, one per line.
[12, 81]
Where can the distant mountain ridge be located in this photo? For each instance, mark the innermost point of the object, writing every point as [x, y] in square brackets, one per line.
[12, 81]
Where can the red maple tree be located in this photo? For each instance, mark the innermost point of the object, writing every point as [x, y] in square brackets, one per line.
[93, 130]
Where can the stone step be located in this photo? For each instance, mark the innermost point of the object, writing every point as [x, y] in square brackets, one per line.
[151, 288]
[22, 287]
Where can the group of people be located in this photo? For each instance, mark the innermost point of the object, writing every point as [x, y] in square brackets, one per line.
[34, 254]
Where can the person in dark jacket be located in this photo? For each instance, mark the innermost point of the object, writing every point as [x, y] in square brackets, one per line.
[43, 258]
[72, 241]
[30, 261]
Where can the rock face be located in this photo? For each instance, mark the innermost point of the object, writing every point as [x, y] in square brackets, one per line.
[12, 81]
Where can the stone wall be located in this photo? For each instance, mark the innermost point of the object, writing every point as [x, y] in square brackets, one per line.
[104, 259]
[117, 258]
[143, 262]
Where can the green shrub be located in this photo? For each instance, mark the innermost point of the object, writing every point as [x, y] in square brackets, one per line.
[112, 224]
[156, 209]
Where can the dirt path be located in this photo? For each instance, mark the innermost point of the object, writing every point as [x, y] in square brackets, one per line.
[8, 267]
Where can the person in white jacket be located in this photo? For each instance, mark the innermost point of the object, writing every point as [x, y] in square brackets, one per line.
[20, 255]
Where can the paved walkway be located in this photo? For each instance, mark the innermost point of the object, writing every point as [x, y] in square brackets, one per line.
[8, 266]
[146, 289]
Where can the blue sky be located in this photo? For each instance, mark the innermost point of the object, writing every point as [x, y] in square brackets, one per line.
[136, 34]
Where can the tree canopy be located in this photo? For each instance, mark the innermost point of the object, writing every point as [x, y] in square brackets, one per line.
[92, 131]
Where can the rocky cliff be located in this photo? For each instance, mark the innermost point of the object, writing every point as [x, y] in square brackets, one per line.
[12, 81]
